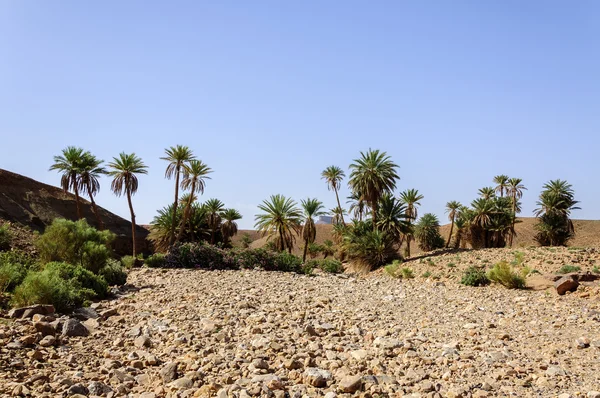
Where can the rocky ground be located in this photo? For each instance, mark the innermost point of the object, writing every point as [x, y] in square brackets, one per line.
[191, 333]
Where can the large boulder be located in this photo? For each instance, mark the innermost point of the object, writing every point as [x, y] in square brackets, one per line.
[568, 283]
[74, 328]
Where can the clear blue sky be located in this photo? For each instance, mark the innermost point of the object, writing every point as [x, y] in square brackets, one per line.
[269, 93]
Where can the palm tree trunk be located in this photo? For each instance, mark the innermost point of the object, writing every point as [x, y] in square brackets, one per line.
[174, 222]
[450, 235]
[76, 190]
[408, 246]
[374, 215]
[186, 214]
[339, 205]
[95, 208]
[132, 225]
[281, 246]
[305, 251]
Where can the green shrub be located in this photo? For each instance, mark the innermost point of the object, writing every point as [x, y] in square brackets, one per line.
[63, 285]
[308, 268]
[567, 269]
[331, 266]
[596, 270]
[14, 266]
[426, 274]
[156, 260]
[75, 242]
[5, 237]
[128, 262]
[113, 273]
[246, 240]
[396, 270]
[503, 273]
[407, 273]
[475, 276]
[366, 248]
[285, 261]
[427, 232]
[314, 249]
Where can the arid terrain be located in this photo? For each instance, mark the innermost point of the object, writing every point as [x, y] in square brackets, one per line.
[183, 333]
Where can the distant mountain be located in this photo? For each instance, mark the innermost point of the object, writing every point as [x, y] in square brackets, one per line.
[33, 204]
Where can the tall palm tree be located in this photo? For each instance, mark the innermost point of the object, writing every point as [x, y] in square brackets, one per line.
[124, 170]
[214, 208]
[372, 175]
[515, 191]
[195, 174]
[487, 193]
[177, 156]
[483, 210]
[411, 198]
[69, 165]
[311, 208]
[452, 208]
[229, 228]
[91, 170]
[503, 183]
[333, 175]
[282, 218]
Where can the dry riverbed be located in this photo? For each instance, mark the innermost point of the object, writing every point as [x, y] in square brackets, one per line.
[191, 333]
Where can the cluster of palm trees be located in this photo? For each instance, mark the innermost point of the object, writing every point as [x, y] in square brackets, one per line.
[374, 240]
[188, 220]
[491, 219]
[184, 220]
[555, 204]
[80, 173]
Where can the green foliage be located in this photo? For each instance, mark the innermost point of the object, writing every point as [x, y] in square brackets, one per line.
[504, 274]
[113, 273]
[519, 258]
[395, 270]
[407, 273]
[75, 242]
[246, 240]
[475, 276]
[128, 262]
[567, 269]
[596, 270]
[314, 249]
[63, 285]
[427, 232]
[555, 204]
[367, 248]
[156, 260]
[426, 274]
[14, 266]
[331, 266]
[5, 237]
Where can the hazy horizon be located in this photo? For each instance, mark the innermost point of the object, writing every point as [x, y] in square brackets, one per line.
[268, 94]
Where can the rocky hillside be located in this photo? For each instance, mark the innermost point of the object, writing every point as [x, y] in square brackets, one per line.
[33, 205]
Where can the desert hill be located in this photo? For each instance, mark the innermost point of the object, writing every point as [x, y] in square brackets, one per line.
[30, 204]
[587, 234]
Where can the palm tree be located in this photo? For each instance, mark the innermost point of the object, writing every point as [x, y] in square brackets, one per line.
[281, 217]
[177, 156]
[312, 208]
[214, 208]
[357, 205]
[69, 165]
[195, 174]
[411, 198]
[229, 228]
[427, 232]
[333, 175]
[483, 210]
[392, 218]
[338, 215]
[515, 191]
[452, 209]
[124, 170]
[373, 175]
[503, 184]
[90, 172]
[487, 193]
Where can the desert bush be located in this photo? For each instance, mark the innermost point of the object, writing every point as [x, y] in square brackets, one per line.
[567, 269]
[314, 249]
[331, 266]
[504, 274]
[427, 232]
[63, 285]
[156, 260]
[195, 255]
[75, 242]
[113, 273]
[5, 237]
[245, 240]
[475, 276]
[128, 262]
[396, 270]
